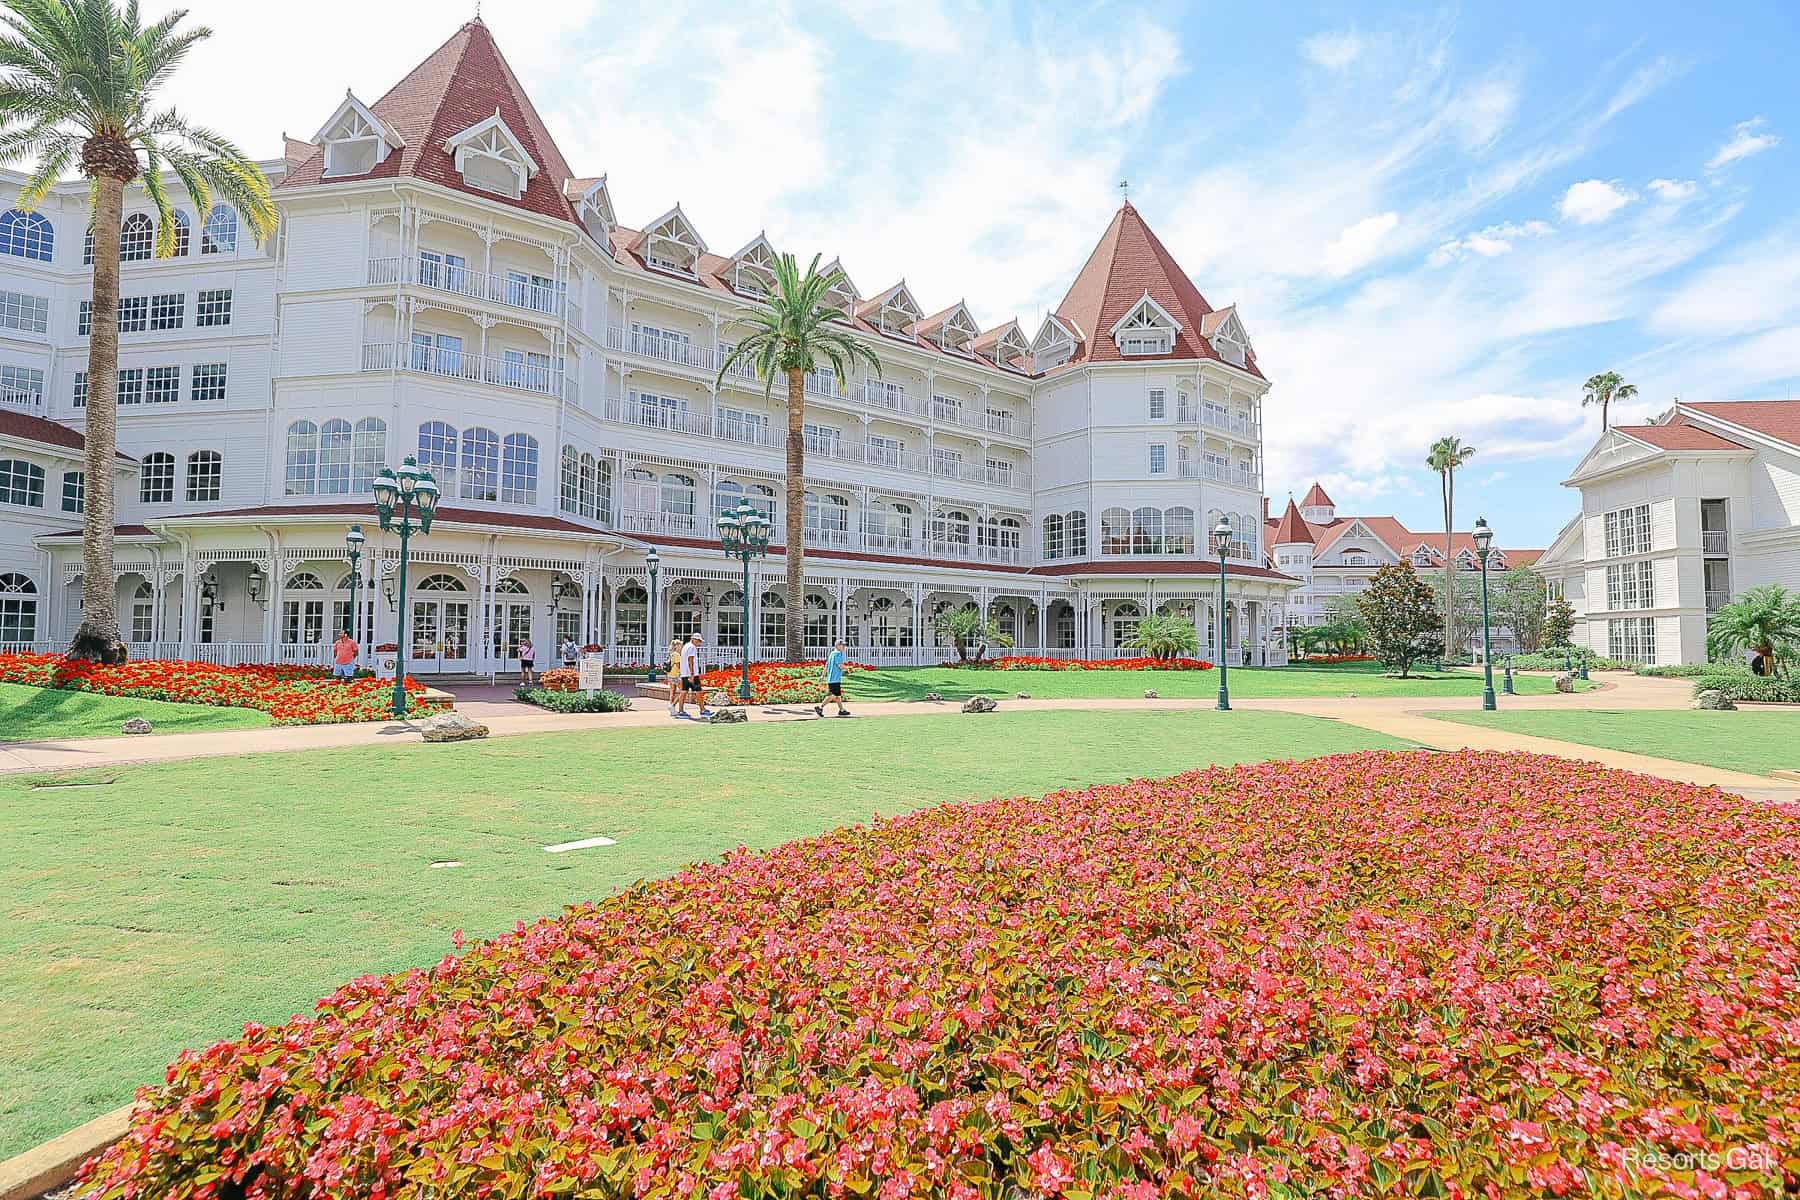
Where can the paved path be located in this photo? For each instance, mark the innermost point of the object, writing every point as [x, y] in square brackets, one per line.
[1397, 716]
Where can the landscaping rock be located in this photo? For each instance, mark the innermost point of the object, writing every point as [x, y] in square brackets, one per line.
[979, 704]
[137, 725]
[934, 695]
[1565, 682]
[1152, 694]
[1023, 695]
[727, 716]
[451, 727]
[1712, 700]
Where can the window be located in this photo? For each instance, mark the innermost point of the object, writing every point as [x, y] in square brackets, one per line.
[302, 458]
[156, 479]
[480, 464]
[827, 517]
[208, 381]
[1115, 531]
[18, 608]
[303, 619]
[205, 475]
[1159, 458]
[1631, 639]
[820, 439]
[686, 614]
[162, 385]
[334, 457]
[219, 234]
[630, 609]
[772, 625]
[21, 483]
[885, 451]
[946, 462]
[676, 500]
[731, 620]
[26, 235]
[79, 396]
[1178, 531]
[999, 471]
[370, 454]
[437, 454]
[1631, 585]
[1125, 620]
[22, 386]
[741, 425]
[1147, 531]
[1628, 531]
[519, 469]
[84, 319]
[950, 528]
[168, 310]
[1077, 535]
[87, 248]
[131, 385]
[815, 635]
[213, 307]
[137, 238]
[182, 230]
[143, 613]
[1159, 404]
[74, 498]
[28, 313]
[134, 314]
[946, 408]
[1053, 536]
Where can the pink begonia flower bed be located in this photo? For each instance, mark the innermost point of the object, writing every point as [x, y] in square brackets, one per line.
[1474, 975]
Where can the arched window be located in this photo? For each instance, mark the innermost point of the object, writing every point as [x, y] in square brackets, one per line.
[589, 496]
[143, 613]
[1147, 531]
[371, 453]
[1115, 531]
[21, 482]
[1008, 534]
[726, 495]
[335, 450]
[1053, 536]
[219, 234]
[205, 476]
[950, 527]
[437, 454]
[887, 626]
[519, 469]
[156, 478]
[677, 500]
[772, 628]
[630, 610]
[1077, 534]
[27, 235]
[731, 619]
[306, 581]
[137, 238]
[18, 607]
[182, 229]
[827, 517]
[480, 464]
[441, 583]
[1124, 624]
[302, 458]
[1006, 617]
[763, 496]
[816, 635]
[87, 248]
[1178, 530]
[568, 492]
[686, 612]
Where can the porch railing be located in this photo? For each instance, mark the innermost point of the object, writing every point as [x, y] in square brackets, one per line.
[496, 286]
[1715, 542]
[465, 366]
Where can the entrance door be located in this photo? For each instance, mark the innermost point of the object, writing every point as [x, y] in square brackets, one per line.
[440, 627]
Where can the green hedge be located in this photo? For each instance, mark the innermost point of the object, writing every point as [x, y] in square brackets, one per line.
[1552, 660]
[572, 702]
[1691, 670]
[1765, 688]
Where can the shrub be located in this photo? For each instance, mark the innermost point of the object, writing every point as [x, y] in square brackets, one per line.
[1331, 660]
[1467, 974]
[1552, 660]
[1160, 636]
[569, 701]
[1767, 689]
[1689, 670]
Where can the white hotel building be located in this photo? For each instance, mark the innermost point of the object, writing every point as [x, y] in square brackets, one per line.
[443, 284]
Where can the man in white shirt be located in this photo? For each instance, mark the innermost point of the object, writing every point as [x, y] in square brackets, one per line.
[690, 679]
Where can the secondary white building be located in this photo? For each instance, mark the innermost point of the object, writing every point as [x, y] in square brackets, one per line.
[1678, 519]
[444, 284]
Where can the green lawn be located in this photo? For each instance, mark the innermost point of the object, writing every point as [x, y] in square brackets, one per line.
[1247, 683]
[168, 906]
[32, 714]
[1753, 741]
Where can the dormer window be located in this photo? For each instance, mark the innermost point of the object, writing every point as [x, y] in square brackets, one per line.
[671, 243]
[955, 330]
[842, 295]
[753, 268]
[1053, 346]
[1229, 341]
[894, 312]
[1147, 328]
[356, 141]
[593, 208]
[491, 158]
[1005, 346]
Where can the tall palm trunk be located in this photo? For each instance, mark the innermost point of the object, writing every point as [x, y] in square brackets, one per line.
[98, 638]
[796, 512]
[1449, 489]
[1605, 405]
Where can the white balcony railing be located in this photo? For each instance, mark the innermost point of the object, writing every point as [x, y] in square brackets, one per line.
[26, 398]
[659, 348]
[1235, 476]
[652, 415]
[547, 298]
[1717, 598]
[1715, 542]
[467, 367]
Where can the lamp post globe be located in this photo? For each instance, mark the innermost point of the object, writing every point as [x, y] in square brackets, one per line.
[652, 560]
[1221, 540]
[1484, 541]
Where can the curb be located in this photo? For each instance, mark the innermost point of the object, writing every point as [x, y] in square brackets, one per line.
[53, 1164]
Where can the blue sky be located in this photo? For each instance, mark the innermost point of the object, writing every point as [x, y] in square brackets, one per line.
[1433, 219]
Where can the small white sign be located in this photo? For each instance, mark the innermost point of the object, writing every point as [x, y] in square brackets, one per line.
[582, 844]
[593, 673]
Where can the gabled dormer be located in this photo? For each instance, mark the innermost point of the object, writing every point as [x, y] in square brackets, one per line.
[593, 208]
[843, 294]
[491, 158]
[1226, 333]
[1146, 328]
[952, 330]
[356, 141]
[753, 268]
[1054, 344]
[1425, 556]
[893, 312]
[1002, 344]
[671, 243]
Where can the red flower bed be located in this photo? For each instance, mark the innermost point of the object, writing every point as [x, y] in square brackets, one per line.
[1029, 663]
[772, 682]
[1327, 660]
[292, 695]
[1468, 975]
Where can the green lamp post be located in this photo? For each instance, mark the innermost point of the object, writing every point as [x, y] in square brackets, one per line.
[744, 533]
[1221, 537]
[405, 500]
[652, 560]
[353, 542]
[1484, 540]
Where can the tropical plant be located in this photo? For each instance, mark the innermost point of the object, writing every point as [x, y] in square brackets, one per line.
[797, 327]
[966, 627]
[1164, 637]
[1603, 389]
[1765, 620]
[79, 85]
[1402, 617]
[1447, 455]
[1559, 623]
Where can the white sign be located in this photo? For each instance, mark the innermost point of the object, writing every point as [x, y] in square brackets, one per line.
[593, 673]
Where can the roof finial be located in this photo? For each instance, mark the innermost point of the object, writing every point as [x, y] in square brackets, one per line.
[1125, 190]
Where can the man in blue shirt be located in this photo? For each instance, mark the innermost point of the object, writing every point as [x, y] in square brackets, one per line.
[834, 680]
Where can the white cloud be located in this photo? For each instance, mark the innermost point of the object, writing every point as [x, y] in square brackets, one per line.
[1755, 287]
[1592, 201]
[1334, 51]
[1491, 242]
[1674, 191]
[1747, 139]
[1360, 244]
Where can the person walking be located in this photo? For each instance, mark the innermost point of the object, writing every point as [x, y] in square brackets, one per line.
[527, 660]
[569, 653]
[674, 674]
[690, 679]
[343, 656]
[834, 680]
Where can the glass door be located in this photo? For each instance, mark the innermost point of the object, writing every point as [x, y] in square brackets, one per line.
[440, 636]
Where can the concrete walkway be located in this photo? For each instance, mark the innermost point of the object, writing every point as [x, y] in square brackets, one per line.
[1405, 717]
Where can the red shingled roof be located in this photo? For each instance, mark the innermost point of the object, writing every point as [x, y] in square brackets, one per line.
[1292, 528]
[28, 428]
[1397, 537]
[363, 512]
[1677, 437]
[1316, 497]
[1776, 418]
[1128, 262]
[462, 83]
[1158, 568]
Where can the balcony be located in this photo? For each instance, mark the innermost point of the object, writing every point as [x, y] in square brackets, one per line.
[659, 416]
[548, 299]
[26, 398]
[1215, 418]
[674, 351]
[1717, 598]
[1715, 543]
[468, 368]
[1234, 476]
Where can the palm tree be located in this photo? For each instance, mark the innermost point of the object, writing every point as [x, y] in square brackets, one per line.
[1765, 620]
[1603, 389]
[798, 327]
[1447, 454]
[78, 87]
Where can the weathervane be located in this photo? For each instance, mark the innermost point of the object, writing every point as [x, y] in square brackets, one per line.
[1125, 190]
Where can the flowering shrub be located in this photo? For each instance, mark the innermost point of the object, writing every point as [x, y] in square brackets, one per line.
[1465, 975]
[292, 695]
[1023, 662]
[1330, 660]
[771, 682]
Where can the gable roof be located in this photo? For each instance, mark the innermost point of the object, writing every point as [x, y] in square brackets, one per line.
[1775, 418]
[1400, 541]
[1677, 436]
[1128, 263]
[1292, 529]
[27, 428]
[462, 83]
[1316, 497]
